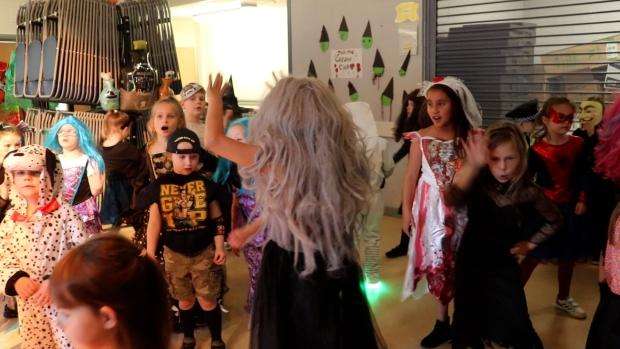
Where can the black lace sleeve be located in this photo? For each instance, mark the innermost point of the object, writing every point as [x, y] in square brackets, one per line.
[548, 211]
[402, 152]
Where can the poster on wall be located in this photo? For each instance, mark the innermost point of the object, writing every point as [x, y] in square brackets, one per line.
[408, 37]
[346, 63]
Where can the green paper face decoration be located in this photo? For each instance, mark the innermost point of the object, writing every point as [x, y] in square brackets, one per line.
[386, 101]
[355, 97]
[367, 37]
[378, 71]
[367, 42]
[343, 30]
[324, 40]
[402, 72]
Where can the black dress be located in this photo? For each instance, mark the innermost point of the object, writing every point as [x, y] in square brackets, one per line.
[490, 303]
[326, 310]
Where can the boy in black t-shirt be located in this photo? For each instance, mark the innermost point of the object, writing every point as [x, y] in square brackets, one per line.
[184, 208]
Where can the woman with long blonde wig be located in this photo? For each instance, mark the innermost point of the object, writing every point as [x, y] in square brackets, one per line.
[312, 182]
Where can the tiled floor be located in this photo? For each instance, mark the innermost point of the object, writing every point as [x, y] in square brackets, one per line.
[403, 324]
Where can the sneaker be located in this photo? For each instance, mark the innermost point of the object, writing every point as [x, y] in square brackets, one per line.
[441, 333]
[218, 344]
[571, 307]
[189, 343]
[9, 313]
[222, 308]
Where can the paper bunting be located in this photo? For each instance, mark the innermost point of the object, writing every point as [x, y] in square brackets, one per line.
[378, 68]
[367, 37]
[324, 40]
[353, 94]
[343, 31]
[388, 94]
[405, 66]
[312, 70]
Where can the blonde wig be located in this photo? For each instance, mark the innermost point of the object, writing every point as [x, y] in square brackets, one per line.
[310, 174]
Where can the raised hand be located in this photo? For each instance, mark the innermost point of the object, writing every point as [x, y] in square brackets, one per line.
[476, 148]
[215, 89]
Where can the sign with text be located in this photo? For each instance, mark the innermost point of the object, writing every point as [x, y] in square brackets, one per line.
[346, 63]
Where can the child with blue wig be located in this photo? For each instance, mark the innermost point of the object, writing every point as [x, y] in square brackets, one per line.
[83, 168]
[243, 213]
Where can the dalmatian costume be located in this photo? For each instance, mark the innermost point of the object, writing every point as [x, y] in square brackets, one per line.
[31, 247]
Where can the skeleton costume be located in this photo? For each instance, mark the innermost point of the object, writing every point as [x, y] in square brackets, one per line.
[436, 228]
[32, 246]
[381, 166]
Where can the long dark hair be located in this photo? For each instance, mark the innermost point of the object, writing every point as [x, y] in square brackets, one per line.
[109, 271]
[459, 119]
[413, 122]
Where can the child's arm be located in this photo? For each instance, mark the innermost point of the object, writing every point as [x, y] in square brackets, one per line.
[410, 182]
[388, 161]
[553, 221]
[13, 280]
[238, 237]
[152, 230]
[476, 154]
[214, 137]
[215, 214]
[96, 179]
[583, 175]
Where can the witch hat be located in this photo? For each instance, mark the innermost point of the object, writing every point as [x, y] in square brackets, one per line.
[353, 94]
[312, 70]
[229, 99]
[367, 37]
[405, 66]
[388, 94]
[343, 30]
[324, 40]
[378, 68]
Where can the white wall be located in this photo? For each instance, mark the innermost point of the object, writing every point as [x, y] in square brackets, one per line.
[250, 43]
[8, 15]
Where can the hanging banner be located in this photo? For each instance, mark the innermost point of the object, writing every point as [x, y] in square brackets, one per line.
[346, 63]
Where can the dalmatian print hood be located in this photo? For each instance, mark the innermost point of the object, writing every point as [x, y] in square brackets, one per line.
[35, 158]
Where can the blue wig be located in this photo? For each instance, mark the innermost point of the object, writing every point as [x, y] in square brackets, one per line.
[223, 165]
[85, 139]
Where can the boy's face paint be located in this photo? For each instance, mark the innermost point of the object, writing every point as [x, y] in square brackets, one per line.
[560, 119]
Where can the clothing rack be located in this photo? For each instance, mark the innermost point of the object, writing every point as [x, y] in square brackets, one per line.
[64, 45]
[41, 120]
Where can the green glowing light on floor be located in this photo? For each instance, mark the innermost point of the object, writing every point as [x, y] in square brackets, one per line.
[375, 291]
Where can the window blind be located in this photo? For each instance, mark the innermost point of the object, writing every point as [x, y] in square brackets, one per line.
[509, 52]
